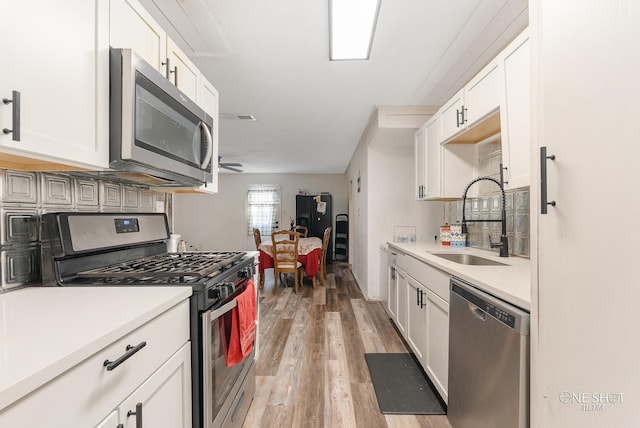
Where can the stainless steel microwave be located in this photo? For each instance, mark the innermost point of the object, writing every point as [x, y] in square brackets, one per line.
[156, 130]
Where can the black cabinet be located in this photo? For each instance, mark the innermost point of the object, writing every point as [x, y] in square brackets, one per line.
[314, 212]
[342, 237]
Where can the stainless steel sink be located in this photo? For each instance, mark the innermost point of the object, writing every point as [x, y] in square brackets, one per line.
[468, 259]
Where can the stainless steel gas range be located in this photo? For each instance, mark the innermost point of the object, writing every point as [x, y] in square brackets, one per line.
[125, 250]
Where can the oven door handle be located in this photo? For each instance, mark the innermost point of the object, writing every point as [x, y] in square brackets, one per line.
[222, 310]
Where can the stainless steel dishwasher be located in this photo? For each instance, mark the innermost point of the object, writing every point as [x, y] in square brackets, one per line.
[488, 360]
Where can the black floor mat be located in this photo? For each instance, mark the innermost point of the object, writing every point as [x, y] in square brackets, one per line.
[401, 386]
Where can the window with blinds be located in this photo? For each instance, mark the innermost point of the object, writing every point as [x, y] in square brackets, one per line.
[263, 209]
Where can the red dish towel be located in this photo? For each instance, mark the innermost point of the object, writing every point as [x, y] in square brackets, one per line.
[243, 326]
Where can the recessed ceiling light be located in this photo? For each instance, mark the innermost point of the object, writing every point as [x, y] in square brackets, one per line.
[352, 24]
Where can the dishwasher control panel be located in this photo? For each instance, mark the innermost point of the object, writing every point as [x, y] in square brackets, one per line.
[498, 313]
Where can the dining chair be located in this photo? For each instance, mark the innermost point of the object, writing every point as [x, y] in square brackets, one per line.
[285, 256]
[257, 237]
[302, 230]
[323, 260]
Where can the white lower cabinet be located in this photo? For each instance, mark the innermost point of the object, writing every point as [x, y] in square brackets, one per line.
[163, 400]
[422, 314]
[392, 293]
[417, 323]
[436, 358]
[150, 365]
[402, 312]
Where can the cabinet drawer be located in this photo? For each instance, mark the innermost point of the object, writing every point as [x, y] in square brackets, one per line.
[83, 395]
[432, 278]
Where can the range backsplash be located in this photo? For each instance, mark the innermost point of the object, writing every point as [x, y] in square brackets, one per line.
[488, 206]
[25, 196]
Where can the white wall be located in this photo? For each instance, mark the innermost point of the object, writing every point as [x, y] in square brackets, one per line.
[358, 220]
[218, 222]
[386, 200]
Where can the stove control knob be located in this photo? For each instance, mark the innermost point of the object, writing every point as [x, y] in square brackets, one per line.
[243, 273]
[214, 293]
[220, 291]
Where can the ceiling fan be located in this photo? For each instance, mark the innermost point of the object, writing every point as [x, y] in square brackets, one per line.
[231, 166]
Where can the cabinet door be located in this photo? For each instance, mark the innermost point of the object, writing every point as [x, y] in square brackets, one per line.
[450, 114]
[110, 421]
[436, 362]
[514, 118]
[401, 319]
[483, 93]
[434, 160]
[420, 142]
[62, 73]
[208, 100]
[183, 73]
[132, 27]
[165, 398]
[392, 293]
[417, 318]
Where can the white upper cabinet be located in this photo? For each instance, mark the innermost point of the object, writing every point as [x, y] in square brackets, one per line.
[482, 95]
[451, 117]
[476, 101]
[514, 118]
[495, 101]
[449, 167]
[56, 59]
[182, 72]
[420, 146]
[132, 27]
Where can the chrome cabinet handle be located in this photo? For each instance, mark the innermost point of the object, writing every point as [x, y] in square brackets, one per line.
[209, 153]
[543, 180]
[167, 67]
[137, 414]
[110, 365]
[15, 121]
[175, 75]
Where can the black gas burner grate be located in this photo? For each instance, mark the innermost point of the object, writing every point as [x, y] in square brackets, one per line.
[180, 265]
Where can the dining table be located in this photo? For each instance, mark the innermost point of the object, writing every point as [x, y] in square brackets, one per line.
[309, 255]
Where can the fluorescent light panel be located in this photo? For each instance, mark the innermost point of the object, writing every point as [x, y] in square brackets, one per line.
[352, 24]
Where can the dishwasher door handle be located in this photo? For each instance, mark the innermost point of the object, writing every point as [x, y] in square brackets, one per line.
[477, 312]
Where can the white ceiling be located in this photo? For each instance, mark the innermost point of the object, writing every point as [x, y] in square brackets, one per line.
[269, 58]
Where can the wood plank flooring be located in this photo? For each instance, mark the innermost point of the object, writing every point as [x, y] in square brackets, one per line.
[311, 371]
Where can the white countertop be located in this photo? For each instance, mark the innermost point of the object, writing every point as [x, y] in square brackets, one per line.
[510, 283]
[45, 331]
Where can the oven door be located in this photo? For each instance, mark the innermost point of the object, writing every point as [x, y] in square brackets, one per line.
[220, 383]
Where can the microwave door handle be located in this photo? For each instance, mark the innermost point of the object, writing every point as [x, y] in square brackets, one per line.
[207, 156]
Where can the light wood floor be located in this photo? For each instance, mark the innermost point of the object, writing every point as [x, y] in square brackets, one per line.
[311, 371]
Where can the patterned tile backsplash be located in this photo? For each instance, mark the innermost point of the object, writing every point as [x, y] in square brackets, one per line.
[25, 196]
